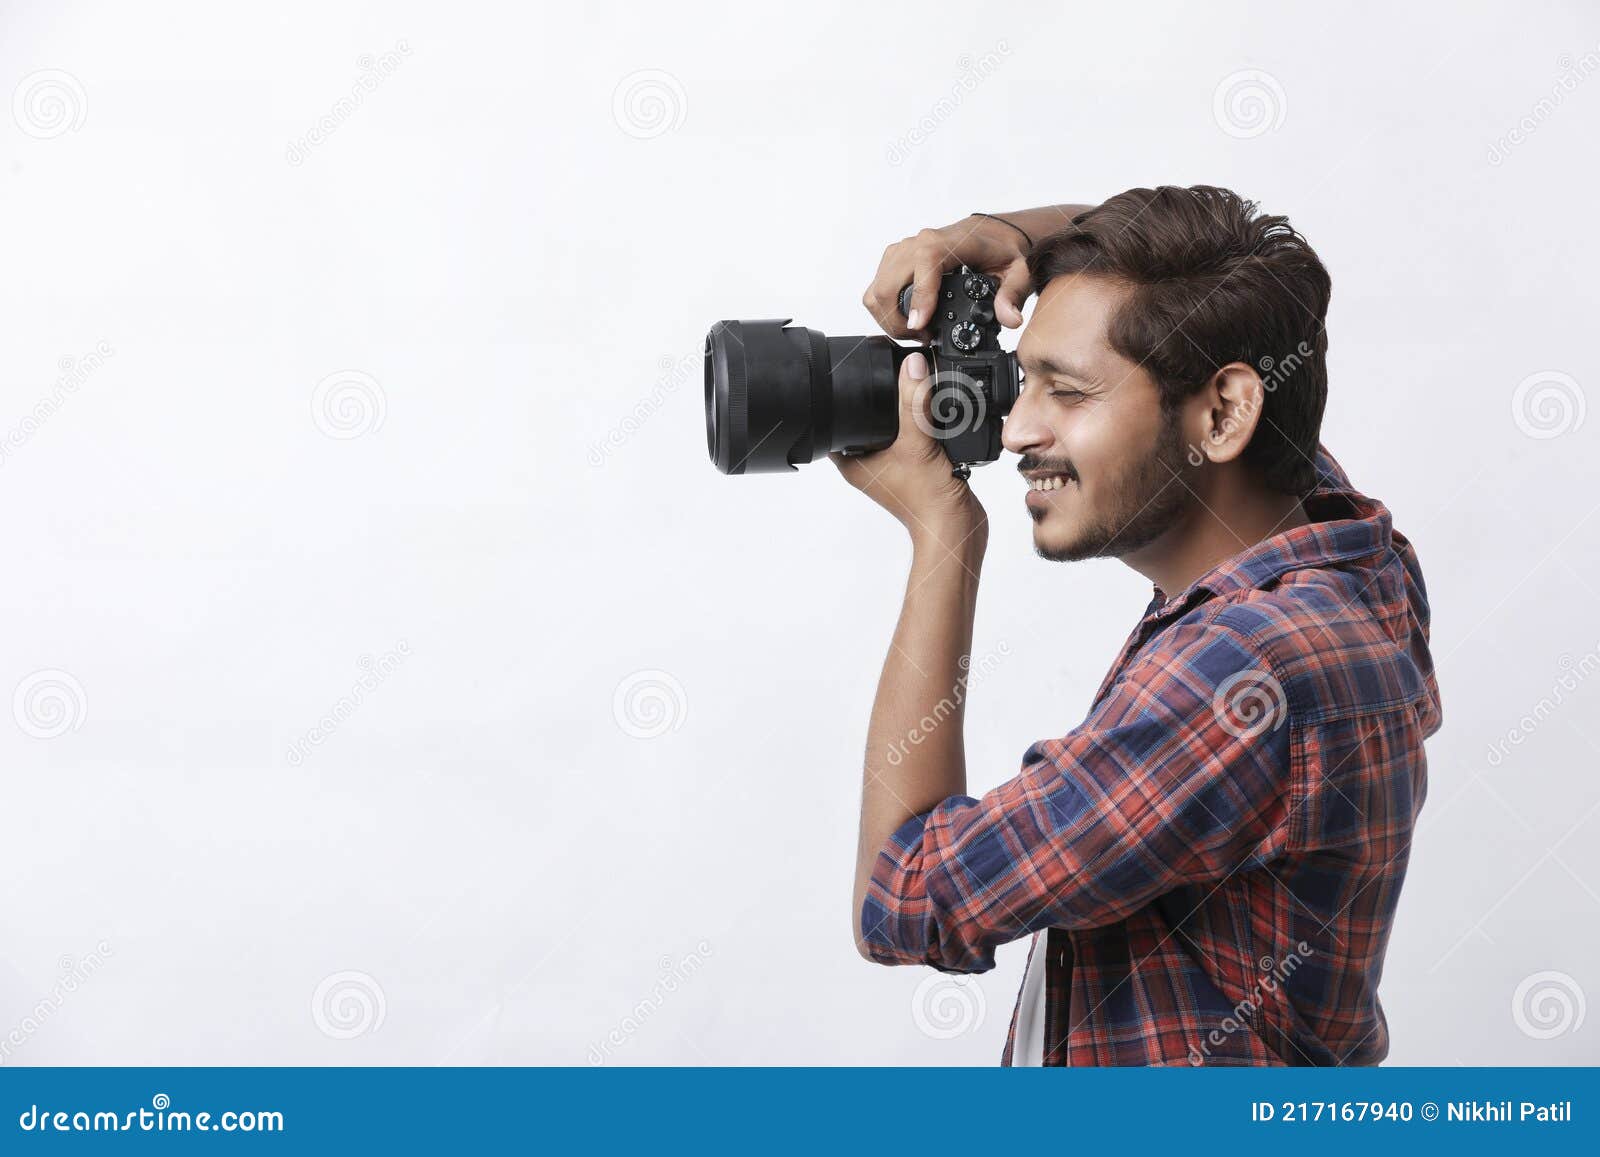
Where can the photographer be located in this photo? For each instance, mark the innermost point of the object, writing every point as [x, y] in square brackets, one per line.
[1210, 862]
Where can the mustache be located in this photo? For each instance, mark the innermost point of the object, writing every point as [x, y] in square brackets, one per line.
[1030, 464]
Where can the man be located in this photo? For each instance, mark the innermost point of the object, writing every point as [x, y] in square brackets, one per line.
[1209, 863]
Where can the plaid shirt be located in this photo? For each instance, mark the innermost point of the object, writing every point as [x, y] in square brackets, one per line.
[1212, 859]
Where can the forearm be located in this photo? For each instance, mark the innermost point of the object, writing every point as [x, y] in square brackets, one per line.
[1041, 222]
[915, 754]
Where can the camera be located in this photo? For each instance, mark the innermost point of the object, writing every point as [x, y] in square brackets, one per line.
[778, 395]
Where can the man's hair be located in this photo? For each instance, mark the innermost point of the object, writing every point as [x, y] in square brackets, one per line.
[1213, 282]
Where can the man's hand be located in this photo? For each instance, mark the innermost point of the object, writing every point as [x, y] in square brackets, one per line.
[911, 477]
[996, 247]
[982, 243]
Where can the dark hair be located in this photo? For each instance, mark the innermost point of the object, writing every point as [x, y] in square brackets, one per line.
[1213, 282]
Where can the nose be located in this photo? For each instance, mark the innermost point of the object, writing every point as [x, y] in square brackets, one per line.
[1024, 431]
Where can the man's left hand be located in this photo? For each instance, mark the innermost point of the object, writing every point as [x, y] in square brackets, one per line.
[911, 477]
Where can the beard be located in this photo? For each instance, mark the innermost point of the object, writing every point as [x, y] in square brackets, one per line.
[1151, 497]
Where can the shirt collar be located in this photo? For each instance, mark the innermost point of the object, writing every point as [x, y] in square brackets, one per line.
[1345, 525]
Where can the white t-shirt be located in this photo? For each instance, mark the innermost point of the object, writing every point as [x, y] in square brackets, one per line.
[1027, 1049]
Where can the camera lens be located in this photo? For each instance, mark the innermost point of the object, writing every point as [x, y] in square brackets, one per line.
[779, 395]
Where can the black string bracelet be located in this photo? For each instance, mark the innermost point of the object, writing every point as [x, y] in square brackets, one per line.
[1013, 224]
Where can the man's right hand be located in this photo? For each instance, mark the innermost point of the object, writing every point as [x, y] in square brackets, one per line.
[982, 243]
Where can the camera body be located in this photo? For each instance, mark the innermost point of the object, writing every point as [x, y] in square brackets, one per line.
[974, 380]
[779, 395]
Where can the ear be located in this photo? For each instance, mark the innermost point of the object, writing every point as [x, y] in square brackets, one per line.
[1225, 412]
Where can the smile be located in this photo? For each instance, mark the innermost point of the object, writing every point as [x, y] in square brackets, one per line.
[1048, 482]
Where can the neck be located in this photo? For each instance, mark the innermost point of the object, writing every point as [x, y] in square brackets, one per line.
[1231, 515]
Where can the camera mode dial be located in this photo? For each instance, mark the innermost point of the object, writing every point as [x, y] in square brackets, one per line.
[966, 336]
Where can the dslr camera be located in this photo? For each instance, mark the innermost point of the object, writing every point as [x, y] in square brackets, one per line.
[778, 395]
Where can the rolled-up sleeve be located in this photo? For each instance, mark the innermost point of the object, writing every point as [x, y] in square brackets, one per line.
[1180, 775]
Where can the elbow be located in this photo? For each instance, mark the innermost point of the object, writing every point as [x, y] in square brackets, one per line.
[891, 937]
[860, 933]
[882, 954]
[885, 936]
[874, 943]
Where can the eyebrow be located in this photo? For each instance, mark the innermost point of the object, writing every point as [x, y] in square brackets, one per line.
[1048, 365]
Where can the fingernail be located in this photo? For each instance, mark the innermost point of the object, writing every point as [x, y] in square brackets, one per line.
[914, 319]
[917, 367]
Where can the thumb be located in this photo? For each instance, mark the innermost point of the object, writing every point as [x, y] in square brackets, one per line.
[1015, 286]
[914, 388]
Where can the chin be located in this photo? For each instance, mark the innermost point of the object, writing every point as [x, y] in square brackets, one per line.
[1056, 546]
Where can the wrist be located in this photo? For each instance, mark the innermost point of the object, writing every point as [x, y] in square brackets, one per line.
[1014, 232]
[964, 533]
[1000, 242]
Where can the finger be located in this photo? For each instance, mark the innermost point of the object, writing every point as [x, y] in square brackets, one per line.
[882, 297]
[886, 312]
[927, 264]
[1015, 286]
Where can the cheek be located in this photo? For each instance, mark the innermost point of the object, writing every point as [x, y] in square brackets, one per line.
[1109, 447]
[1089, 444]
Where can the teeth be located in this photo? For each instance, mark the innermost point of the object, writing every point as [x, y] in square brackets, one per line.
[1054, 482]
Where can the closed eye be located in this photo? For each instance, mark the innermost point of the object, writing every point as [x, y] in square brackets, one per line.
[1067, 394]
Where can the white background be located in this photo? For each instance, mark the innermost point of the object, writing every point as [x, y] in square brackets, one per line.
[522, 241]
